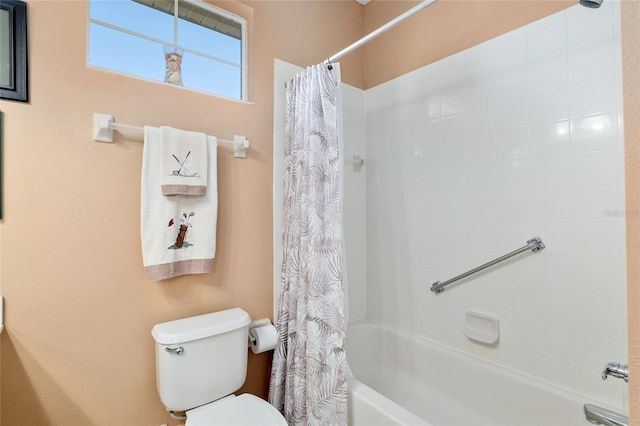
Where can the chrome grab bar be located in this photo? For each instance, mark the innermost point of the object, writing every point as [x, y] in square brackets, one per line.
[534, 244]
[601, 416]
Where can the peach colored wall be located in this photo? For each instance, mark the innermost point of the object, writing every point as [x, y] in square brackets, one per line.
[630, 15]
[77, 348]
[442, 29]
[79, 310]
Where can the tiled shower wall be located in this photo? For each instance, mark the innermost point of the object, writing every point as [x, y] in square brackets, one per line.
[468, 158]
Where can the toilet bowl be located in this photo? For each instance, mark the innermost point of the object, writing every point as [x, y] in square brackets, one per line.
[242, 410]
[200, 362]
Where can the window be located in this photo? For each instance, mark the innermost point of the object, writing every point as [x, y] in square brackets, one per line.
[181, 42]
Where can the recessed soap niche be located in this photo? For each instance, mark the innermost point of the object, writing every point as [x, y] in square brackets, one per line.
[481, 327]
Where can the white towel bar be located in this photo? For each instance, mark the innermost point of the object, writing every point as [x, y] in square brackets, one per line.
[104, 125]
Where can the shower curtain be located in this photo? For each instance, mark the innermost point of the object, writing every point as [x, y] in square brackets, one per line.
[309, 371]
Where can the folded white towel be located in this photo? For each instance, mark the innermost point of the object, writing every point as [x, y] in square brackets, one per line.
[185, 162]
[179, 232]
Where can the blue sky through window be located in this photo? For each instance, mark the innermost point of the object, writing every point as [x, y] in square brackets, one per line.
[127, 53]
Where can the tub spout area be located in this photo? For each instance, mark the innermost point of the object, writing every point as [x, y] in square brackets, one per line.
[601, 416]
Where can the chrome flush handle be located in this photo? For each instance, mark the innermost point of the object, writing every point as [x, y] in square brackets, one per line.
[176, 351]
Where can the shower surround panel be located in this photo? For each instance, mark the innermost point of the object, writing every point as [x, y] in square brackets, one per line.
[468, 158]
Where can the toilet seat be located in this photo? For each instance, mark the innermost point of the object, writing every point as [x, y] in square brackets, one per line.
[242, 410]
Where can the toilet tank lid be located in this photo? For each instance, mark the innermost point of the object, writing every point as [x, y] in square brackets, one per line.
[200, 326]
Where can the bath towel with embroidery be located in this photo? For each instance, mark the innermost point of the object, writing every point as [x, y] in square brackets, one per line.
[185, 162]
[178, 232]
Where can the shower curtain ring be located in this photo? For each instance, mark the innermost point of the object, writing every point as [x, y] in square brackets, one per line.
[329, 64]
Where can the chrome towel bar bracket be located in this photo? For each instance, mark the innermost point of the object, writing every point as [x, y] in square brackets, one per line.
[534, 244]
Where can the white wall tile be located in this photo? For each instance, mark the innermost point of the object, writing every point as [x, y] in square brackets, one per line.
[592, 80]
[452, 142]
[595, 132]
[510, 51]
[599, 204]
[515, 205]
[517, 357]
[588, 26]
[547, 38]
[604, 168]
[355, 202]
[516, 298]
[556, 171]
[597, 240]
[426, 150]
[480, 120]
[453, 179]
[550, 138]
[618, 72]
[553, 205]
[616, 18]
[516, 137]
[512, 99]
[481, 351]
[517, 328]
[557, 272]
[453, 101]
[482, 178]
[555, 339]
[554, 369]
[446, 74]
[506, 236]
[598, 349]
[515, 174]
[479, 63]
[481, 149]
[549, 90]
[553, 305]
[457, 205]
[484, 206]
[549, 76]
[599, 277]
[513, 145]
[601, 314]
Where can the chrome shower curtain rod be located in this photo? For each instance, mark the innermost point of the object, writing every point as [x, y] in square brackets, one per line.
[375, 33]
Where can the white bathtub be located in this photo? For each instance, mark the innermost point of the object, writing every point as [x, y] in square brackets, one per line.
[402, 379]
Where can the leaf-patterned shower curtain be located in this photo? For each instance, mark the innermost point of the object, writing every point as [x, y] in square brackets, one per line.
[309, 371]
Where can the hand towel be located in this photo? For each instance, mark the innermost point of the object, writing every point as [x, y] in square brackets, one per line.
[184, 155]
[178, 233]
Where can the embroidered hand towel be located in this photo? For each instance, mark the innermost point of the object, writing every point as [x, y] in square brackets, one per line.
[184, 155]
[178, 233]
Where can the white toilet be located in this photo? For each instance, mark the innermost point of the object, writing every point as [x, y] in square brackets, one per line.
[200, 362]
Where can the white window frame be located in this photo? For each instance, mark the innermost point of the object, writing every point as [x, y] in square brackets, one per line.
[204, 5]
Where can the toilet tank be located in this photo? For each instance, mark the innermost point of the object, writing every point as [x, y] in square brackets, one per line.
[202, 358]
